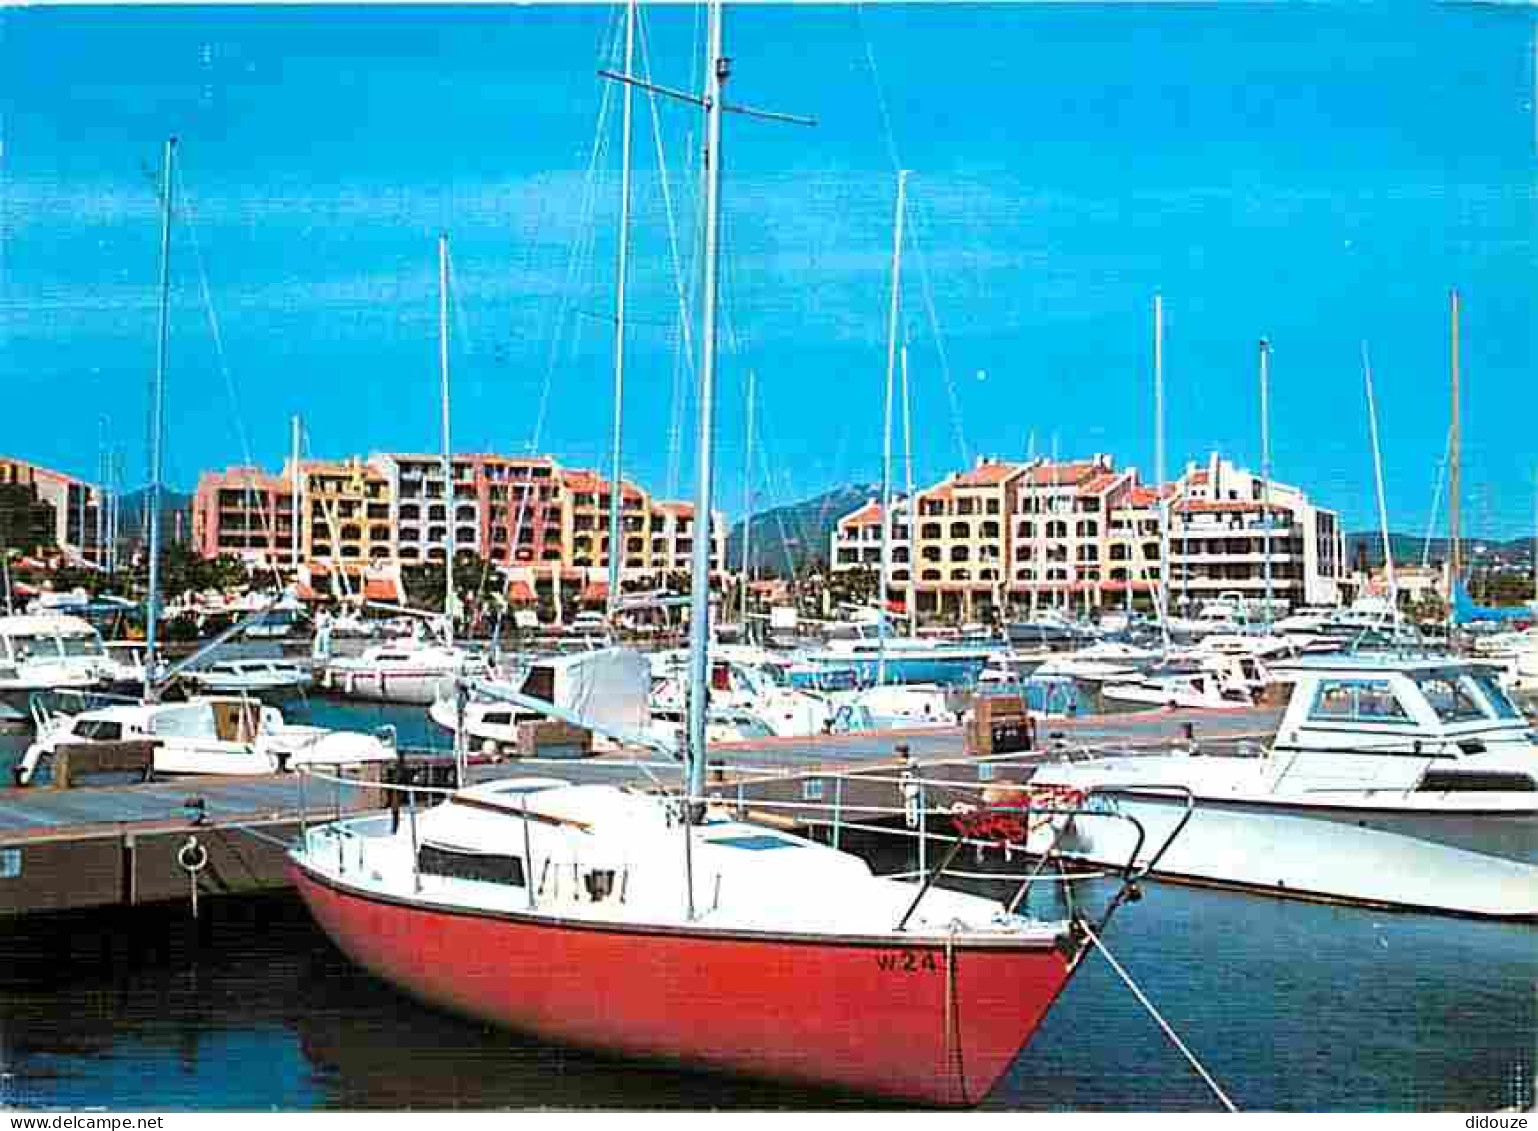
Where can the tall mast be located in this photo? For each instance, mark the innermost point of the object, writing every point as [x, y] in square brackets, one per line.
[893, 308]
[296, 500]
[1377, 471]
[718, 67]
[616, 489]
[1265, 467]
[747, 505]
[448, 458]
[1455, 471]
[101, 492]
[1164, 506]
[1038, 573]
[911, 604]
[157, 424]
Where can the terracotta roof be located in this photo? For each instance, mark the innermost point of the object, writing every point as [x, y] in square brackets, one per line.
[1147, 496]
[519, 592]
[988, 475]
[595, 592]
[868, 515]
[677, 509]
[582, 479]
[1061, 474]
[1198, 477]
[1100, 483]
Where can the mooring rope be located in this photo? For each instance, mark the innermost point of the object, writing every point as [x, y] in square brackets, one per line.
[1163, 1024]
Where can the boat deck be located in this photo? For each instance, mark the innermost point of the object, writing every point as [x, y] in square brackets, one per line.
[117, 845]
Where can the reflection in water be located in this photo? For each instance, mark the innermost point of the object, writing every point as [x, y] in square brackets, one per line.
[1290, 1006]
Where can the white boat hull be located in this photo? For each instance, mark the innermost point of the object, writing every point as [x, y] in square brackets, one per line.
[1468, 862]
[413, 688]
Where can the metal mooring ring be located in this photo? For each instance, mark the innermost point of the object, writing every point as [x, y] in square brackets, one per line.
[193, 857]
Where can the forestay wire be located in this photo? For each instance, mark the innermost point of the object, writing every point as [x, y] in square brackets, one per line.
[1174, 1037]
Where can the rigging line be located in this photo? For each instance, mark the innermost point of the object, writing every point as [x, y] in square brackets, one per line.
[686, 349]
[890, 136]
[875, 75]
[569, 283]
[939, 340]
[268, 521]
[1436, 499]
[574, 270]
[465, 343]
[683, 368]
[772, 495]
[1164, 1025]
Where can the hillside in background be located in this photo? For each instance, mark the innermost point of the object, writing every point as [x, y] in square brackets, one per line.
[172, 504]
[1410, 549]
[794, 538]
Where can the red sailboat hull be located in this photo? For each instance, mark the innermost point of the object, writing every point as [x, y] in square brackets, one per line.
[922, 1023]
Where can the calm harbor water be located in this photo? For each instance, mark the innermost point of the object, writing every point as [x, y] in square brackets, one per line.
[1291, 1007]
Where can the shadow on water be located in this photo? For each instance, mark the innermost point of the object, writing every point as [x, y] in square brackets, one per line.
[251, 1008]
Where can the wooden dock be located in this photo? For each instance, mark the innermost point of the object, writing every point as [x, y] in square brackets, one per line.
[129, 845]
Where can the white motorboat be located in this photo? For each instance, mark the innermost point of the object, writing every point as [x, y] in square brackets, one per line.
[409, 671]
[1216, 682]
[744, 690]
[893, 706]
[47, 652]
[1106, 661]
[271, 679]
[1404, 783]
[1049, 627]
[209, 735]
[1516, 653]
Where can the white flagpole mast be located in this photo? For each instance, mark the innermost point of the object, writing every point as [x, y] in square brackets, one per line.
[893, 309]
[616, 480]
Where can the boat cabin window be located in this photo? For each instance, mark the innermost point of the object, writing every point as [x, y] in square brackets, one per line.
[1477, 781]
[497, 718]
[33, 647]
[82, 645]
[98, 730]
[460, 864]
[1500, 703]
[1357, 700]
[539, 683]
[1452, 697]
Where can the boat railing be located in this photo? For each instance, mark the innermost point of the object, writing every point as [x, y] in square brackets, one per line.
[931, 811]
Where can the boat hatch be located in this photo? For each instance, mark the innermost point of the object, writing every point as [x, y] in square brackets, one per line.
[1477, 781]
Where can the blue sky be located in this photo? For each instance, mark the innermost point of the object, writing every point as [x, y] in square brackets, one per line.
[1318, 174]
